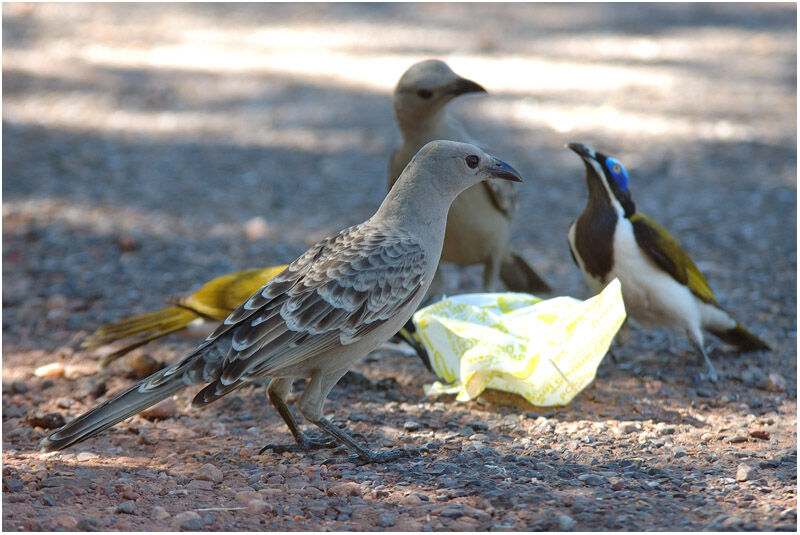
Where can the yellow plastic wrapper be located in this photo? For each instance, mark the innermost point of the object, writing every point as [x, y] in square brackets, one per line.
[544, 350]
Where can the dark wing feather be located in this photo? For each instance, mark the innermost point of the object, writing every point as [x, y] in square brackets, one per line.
[667, 253]
[340, 290]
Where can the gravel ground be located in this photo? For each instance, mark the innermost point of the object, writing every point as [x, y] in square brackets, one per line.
[149, 148]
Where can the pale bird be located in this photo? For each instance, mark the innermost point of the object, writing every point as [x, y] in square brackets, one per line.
[479, 223]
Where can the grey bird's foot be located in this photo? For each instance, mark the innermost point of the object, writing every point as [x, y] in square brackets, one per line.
[305, 444]
[385, 456]
[362, 454]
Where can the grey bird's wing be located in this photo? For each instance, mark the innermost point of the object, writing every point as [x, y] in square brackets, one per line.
[339, 291]
[503, 195]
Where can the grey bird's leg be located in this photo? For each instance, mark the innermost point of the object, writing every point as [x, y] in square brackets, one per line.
[277, 391]
[311, 407]
[491, 273]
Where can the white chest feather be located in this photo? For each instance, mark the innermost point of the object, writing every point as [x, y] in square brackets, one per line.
[652, 296]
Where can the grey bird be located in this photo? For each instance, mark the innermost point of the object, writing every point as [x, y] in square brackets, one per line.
[338, 301]
[479, 223]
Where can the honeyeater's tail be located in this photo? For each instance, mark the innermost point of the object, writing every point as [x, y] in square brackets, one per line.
[741, 338]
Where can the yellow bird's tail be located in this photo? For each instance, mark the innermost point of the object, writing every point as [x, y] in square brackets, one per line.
[145, 327]
[212, 302]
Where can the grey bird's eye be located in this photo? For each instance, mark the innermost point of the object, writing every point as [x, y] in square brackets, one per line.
[425, 93]
[472, 161]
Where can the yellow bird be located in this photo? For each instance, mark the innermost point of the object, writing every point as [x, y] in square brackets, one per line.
[199, 313]
[203, 309]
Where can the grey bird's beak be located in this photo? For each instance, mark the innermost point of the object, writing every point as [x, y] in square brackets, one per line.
[584, 151]
[462, 85]
[502, 170]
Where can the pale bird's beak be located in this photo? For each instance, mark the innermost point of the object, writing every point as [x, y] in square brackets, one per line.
[502, 170]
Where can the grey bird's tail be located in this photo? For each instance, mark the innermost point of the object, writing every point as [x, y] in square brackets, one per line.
[519, 276]
[741, 338]
[203, 365]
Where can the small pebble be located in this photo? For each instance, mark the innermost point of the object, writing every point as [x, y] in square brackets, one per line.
[256, 228]
[625, 428]
[53, 370]
[143, 365]
[732, 522]
[202, 484]
[387, 520]
[410, 500]
[246, 495]
[67, 522]
[452, 513]
[348, 488]
[745, 472]
[86, 523]
[209, 472]
[161, 411]
[565, 522]
[411, 426]
[159, 513]
[592, 479]
[664, 429]
[775, 383]
[125, 507]
[98, 389]
[188, 520]
[13, 485]
[257, 507]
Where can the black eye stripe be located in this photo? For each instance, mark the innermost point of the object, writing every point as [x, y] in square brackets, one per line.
[472, 161]
[425, 93]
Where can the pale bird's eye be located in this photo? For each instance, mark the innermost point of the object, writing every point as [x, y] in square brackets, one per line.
[616, 168]
[472, 161]
[425, 93]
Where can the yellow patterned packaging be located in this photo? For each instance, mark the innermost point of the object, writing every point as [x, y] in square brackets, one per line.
[544, 350]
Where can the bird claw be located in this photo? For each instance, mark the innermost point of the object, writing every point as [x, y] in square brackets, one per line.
[384, 456]
[373, 457]
[308, 444]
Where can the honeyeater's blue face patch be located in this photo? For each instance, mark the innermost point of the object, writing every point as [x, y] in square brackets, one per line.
[618, 173]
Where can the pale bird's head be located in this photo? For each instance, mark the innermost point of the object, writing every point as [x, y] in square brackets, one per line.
[425, 88]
